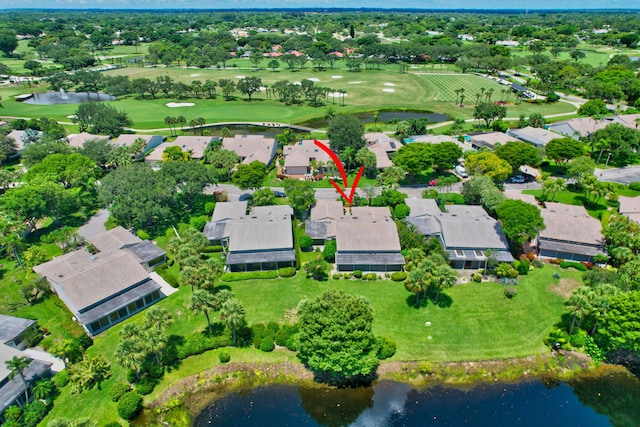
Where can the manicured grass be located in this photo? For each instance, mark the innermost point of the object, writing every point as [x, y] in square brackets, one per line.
[480, 322]
[426, 92]
[475, 321]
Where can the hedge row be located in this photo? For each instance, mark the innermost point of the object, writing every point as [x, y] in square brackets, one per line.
[576, 265]
[249, 275]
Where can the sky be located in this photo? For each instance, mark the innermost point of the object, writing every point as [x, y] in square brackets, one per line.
[267, 4]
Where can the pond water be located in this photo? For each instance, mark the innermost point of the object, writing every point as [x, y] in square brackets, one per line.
[386, 116]
[603, 400]
[62, 97]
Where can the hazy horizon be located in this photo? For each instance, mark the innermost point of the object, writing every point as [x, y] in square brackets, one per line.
[470, 5]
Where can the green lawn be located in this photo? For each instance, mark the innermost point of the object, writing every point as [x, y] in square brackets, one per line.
[476, 322]
[366, 91]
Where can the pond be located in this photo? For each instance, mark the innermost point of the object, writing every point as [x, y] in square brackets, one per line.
[601, 400]
[62, 97]
[386, 116]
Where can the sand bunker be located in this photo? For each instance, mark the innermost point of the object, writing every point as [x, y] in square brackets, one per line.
[355, 83]
[336, 77]
[313, 79]
[180, 104]
[388, 90]
[297, 83]
[195, 75]
[389, 84]
[240, 77]
[72, 116]
[336, 94]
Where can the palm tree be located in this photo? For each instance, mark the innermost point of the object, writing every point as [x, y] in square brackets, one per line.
[375, 116]
[202, 301]
[232, 312]
[417, 281]
[489, 94]
[42, 389]
[348, 155]
[129, 354]
[156, 322]
[578, 303]
[444, 277]
[369, 191]
[16, 366]
[413, 257]
[13, 413]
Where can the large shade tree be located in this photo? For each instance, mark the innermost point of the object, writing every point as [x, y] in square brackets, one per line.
[336, 338]
[345, 131]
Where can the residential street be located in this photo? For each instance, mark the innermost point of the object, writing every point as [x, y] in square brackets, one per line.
[625, 175]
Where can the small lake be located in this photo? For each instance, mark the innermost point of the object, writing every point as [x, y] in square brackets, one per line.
[612, 399]
[386, 116]
[54, 98]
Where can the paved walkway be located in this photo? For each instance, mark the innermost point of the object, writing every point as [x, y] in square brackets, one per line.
[165, 288]
[95, 225]
[625, 175]
[57, 365]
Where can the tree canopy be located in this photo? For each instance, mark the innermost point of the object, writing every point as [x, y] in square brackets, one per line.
[336, 338]
[562, 150]
[345, 131]
[518, 154]
[249, 176]
[488, 164]
[300, 194]
[521, 221]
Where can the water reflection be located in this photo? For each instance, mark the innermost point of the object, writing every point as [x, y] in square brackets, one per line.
[605, 400]
[62, 97]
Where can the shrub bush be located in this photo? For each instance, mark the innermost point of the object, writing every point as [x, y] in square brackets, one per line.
[234, 277]
[292, 342]
[287, 271]
[578, 338]
[143, 234]
[113, 424]
[401, 211]
[372, 276]
[224, 356]
[386, 348]
[305, 242]
[145, 386]
[398, 276]
[357, 274]
[522, 267]
[537, 263]
[576, 265]
[130, 405]
[336, 276]
[198, 343]
[510, 292]
[267, 344]
[477, 277]
[212, 249]
[33, 413]
[209, 207]
[635, 186]
[329, 251]
[198, 222]
[284, 333]
[118, 390]
[258, 331]
[61, 379]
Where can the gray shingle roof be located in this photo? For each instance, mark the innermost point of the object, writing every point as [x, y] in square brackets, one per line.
[225, 211]
[571, 224]
[264, 256]
[260, 235]
[11, 327]
[145, 251]
[118, 302]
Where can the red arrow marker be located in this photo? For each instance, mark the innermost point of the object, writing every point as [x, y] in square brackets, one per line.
[336, 160]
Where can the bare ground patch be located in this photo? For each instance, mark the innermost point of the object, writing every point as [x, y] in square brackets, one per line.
[564, 287]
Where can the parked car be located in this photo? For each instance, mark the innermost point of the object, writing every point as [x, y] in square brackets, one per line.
[279, 193]
[433, 182]
[518, 179]
[460, 170]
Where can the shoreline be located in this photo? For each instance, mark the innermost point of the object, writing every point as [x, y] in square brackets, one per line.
[192, 394]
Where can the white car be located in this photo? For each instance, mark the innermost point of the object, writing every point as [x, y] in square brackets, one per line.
[518, 179]
[460, 170]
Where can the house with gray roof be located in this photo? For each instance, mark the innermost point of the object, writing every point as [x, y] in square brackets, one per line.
[12, 390]
[78, 140]
[194, 145]
[299, 157]
[630, 207]
[489, 139]
[580, 127]
[322, 223]
[127, 140]
[367, 240]
[259, 240]
[105, 286]
[535, 136]
[437, 139]
[467, 233]
[13, 329]
[250, 148]
[21, 139]
[571, 233]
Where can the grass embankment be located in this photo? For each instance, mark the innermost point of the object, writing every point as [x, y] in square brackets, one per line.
[473, 322]
[369, 90]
